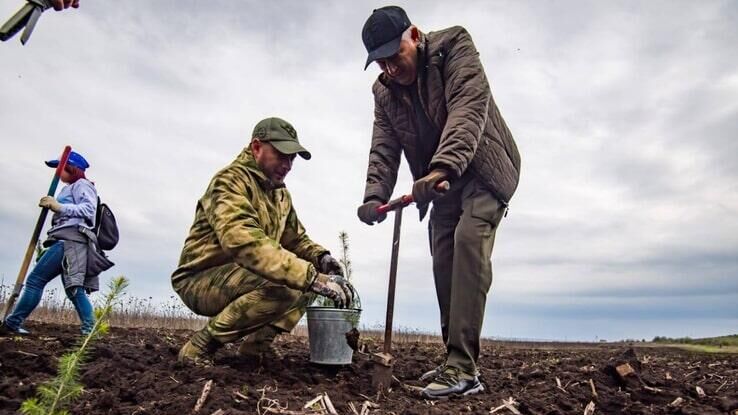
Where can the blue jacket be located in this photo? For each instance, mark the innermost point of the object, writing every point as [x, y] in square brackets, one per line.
[78, 206]
[83, 262]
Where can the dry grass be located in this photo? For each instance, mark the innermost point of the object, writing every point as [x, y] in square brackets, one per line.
[704, 348]
[129, 312]
[172, 314]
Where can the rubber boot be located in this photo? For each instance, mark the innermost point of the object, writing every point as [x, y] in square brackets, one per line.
[199, 349]
[259, 343]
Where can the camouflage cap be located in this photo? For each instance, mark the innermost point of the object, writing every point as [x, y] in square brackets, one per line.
[281, 135]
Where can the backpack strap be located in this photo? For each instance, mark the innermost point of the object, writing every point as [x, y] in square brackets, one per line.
[98, 212]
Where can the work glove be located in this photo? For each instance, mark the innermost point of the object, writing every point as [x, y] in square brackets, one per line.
[424, 188]
[49, 202]
[334, 287]
[368, 212]
[329, 265]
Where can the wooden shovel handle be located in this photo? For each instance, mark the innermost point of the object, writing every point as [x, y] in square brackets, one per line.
[35, 235]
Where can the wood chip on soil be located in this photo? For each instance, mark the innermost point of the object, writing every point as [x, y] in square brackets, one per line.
[203, 395]
[677, 402]
[509, 404]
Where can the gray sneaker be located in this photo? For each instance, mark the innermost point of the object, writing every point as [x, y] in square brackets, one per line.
[452, 382]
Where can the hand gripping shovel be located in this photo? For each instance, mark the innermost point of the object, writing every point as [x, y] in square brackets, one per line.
[35, 235]
[383, 362]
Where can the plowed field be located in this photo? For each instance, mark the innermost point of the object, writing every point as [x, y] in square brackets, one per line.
[134, 371]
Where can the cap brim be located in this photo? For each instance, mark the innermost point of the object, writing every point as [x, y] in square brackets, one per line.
[291, 147]
[55, 163]
[384, 51]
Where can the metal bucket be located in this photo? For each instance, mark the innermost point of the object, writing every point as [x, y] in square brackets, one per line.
[327, 328]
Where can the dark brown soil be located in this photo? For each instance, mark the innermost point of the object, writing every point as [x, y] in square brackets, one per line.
[134, 371]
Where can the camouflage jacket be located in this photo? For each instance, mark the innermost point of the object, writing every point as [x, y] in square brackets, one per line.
[243, 218]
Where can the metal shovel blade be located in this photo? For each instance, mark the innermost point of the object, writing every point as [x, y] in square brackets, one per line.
[16, 22]
[26, 17]
[382, 372]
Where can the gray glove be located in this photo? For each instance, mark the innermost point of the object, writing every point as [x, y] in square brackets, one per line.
[49, 202]
[329, 265]
[334, 287]
[368, 212]
[424, 190]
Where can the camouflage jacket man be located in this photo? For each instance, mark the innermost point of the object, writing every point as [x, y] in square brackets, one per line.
[244, 218]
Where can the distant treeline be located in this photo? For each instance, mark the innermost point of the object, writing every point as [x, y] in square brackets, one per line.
[731, 340]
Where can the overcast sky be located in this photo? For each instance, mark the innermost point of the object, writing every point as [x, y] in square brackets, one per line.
[625, 223]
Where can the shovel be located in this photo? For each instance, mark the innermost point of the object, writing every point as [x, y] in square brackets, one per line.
[383, 361]
[36, 233]
[26, 17]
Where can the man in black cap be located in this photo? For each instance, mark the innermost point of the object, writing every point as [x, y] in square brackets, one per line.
[433, 102]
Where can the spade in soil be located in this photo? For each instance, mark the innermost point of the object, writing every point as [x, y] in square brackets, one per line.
[383, 361]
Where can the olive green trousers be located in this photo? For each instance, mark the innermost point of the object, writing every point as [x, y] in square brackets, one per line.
[240, 302]
[462, 234]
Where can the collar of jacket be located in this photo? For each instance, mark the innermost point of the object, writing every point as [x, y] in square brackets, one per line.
[247, 159]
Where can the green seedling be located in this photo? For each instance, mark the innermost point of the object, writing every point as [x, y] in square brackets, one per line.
[54, 396]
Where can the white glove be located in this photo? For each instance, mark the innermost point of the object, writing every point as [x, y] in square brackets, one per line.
[49, 202]
[334, 287]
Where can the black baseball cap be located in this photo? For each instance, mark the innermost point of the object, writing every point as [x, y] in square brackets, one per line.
[383, 31]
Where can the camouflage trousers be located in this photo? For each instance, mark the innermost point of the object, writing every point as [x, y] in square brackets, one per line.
[239, 302]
